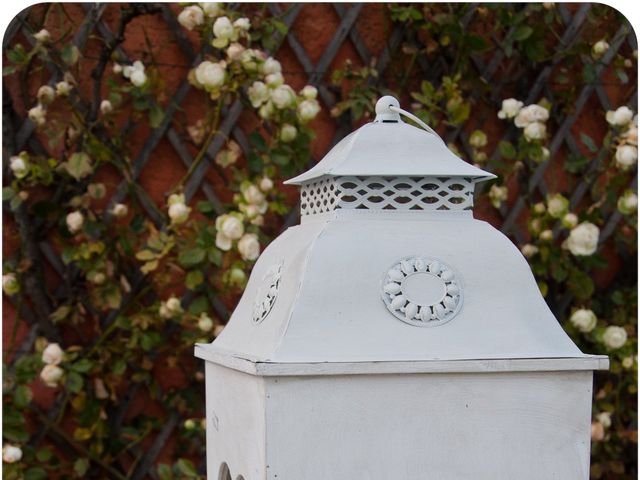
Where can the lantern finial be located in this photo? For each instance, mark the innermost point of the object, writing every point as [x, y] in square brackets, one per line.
[384, 111]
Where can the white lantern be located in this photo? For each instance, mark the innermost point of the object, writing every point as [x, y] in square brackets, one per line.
[392, 336]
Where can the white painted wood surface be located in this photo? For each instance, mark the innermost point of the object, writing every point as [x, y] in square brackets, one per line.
[491, 426]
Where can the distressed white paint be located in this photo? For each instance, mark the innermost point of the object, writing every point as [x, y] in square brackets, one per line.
[324, 374]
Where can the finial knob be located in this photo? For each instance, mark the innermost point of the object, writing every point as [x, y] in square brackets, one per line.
[384, 112]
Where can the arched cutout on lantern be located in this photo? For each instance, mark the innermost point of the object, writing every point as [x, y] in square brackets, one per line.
[224, 474]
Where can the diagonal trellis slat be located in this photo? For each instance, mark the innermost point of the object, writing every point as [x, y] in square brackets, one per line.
[317, 74]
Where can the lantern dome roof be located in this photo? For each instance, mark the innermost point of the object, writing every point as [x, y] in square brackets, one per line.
[390, 147]
[391, 273]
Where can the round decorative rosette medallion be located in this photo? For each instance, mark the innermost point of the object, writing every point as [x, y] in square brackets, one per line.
[422, 291]
[267, 293]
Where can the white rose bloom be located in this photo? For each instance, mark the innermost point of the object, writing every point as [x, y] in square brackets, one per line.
[307, 110]
[535, 131]
[249, 247]
[106, 107]
[210, 75]
[38, 115]
[11, 454]
[288, 133]
[531, 114]
[599, 49]
[138, 78]
[211, 9]
[271, 65]
[498, 194]
[510, 108]
[570, 220]
[179, 213]
[53, 354]
[258, 94]
[242, 24]
[222, 28]
[274, 80]
[583, 239]
[266, 184]
[51, 375]
[604, 418]
[628, 202]
[75, 220]
[539, 208]
[173, 305]
[309, 92]
[205, 323]
[191, 17]
[10, 284]
[223, 242]
[258, 221]
[117, 68]
[46, 94]
[631, 135]
[529, 250]
[626, 156]
[248, 59]
[63, 88]
[253, 195]
[584, 320]
[557, 205]
[614, 337]
[619, 117]
[266, 110]
[234, 52]
[597, 432]
[283, 96]
[232, 227]
[42, 36]
[627, 362]
[119, 210]
[478, 139]
[18, 167]
[546, 235]
[251, 211]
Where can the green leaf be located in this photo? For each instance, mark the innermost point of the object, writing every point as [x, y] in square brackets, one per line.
[79, 165]
[36, 473]
[185, 467]
[199, 305]
[70, 54]
[22, 396]
[7, 193]
[205, 207]
[15, 434]
[190, 258]
[194, 279]
[156, 115]
[74, 382]
[80, 466]
[164, 472]
[575, 163]
[522, 33]
[588, 141]
[507, 150]
[82, 366]
[44, 455]
[580, 284]
[60, 313]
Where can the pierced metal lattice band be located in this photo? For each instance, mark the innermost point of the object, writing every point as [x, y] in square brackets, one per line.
[386, 193]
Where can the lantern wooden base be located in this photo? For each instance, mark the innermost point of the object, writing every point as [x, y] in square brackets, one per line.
[470, 425]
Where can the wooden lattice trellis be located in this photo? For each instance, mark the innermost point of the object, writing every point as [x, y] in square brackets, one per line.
[18, 134]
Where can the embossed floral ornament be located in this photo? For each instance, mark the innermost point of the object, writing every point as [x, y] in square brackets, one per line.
[422, 291]
[267, 293]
